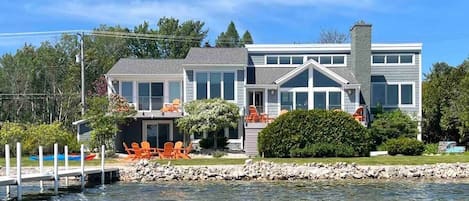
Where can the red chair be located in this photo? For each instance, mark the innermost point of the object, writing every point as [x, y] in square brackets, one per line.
[358, 115]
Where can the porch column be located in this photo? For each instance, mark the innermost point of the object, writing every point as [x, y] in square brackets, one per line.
[310, 89]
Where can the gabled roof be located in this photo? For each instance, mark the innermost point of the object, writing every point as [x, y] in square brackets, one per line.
[129, 66]
[321, 68]
[266, 75]
[217, 56]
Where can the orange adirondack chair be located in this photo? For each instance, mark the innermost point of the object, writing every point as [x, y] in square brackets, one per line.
[172, 107]
[139, 153]
[178, 150]
[130, 152]
[253, 116]
[358, 115]
[187, 150]
[167, 151]
[146, 148]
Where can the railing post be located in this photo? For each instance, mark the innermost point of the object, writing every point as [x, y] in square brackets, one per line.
[102, 164]
[56, 169]
[7, 167]
[66, 162]
[82, 166]
[41, 167]
[19, 187]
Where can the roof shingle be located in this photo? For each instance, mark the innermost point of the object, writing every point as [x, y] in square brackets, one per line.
[235, 56]
[127, 66]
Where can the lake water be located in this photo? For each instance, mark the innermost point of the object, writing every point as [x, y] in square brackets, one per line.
[324, 190]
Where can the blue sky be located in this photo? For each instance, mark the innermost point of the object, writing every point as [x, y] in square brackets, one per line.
[440, 25]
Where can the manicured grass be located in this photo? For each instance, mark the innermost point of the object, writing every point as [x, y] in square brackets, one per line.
[379, 160]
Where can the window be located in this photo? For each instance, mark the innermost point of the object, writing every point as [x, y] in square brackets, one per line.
[406, 94]
[393, 59]
[325, 60]
[391, 95]
[297, 60]
[286, 101]
[284, 60]
[174, 91]
[302, 100]
[233, 133]
[228, 86]
[338, 60]
[115, 85]
[127, 91]
[315, 58]
[215, 85]
[272, 60]
[201, 79]
[144, 96]
[156, 95]
[320, 100]
[334, 100]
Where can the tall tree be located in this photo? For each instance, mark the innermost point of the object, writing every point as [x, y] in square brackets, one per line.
[332, 36]
[247, 38]
[229, 38]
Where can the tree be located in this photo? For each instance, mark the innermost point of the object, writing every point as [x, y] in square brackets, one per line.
[332, 36]
[209, 116]
[462, 103]
[247, 38]
[105, 116]
[394, 124]
[229, 38]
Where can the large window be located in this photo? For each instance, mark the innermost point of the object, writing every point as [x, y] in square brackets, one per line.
[329, 100]
[298, 59]
[294, 100]
[320, 100]
[391, 94]
[150, 95]
[127, 91]
[286, 101]
[334, 101]
[301, 100]
[392, 59]
[144, 96]
[156, 95]
[174, 91]
[215, 85]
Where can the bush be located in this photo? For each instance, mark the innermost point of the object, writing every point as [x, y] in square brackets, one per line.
[218, 154]
[394, 124]
[297, 129]
[207, 143]
[323, 150]
[431, 148]
[405, 146]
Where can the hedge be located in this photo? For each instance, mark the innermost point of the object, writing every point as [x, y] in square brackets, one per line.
[405, 146]
[298, 129]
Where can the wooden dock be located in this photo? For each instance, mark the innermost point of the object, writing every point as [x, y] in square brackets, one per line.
[56, 174]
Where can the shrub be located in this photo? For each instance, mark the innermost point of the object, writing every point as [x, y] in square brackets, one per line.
[218, 154]
[405, 146]
[323, 150]
[11, 133]
[431, 148]
[297, 129]
[207, 143]
[394, 124]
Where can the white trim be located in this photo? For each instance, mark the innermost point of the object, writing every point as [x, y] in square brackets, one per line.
[184, 90]
[305, 59]
[272, 48]
[398, 59]
[419, 116]
[321, 68]
[256, 86]
[266, 96]
[145, 123]
[213, 65]
[399, 86]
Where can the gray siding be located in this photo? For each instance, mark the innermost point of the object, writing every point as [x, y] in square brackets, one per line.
[402, 73]
[350, 101]
[189, 85]
[256, 59]
[130, 132]
[272, 102]
[240, 88]
[250, 143]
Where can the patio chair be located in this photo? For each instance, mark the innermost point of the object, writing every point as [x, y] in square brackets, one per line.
[139, 153]
[172, 107]
[253, 116]
[187, 150]
[130, 152]
[167, 151]
[178, 150]
[283, 111]
[358, 115]
[146, 148]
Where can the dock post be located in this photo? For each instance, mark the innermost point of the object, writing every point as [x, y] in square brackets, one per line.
[7, 167]
[19, 187]
[82, 166]
[66, 162]
[41, 167]
[102, 164]
[56, 169]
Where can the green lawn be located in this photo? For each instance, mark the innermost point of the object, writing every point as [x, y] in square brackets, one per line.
[379, 160]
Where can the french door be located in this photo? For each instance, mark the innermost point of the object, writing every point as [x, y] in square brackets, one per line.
[256, 98]
[157, 132]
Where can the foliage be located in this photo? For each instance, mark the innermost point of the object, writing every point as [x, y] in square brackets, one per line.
[323, 150]
[218, 154]
[405, 146]
[207, 143]
[34, 135]
[298, 129]
[431, 148]
[247, 38]
[104, 117]
[332, 36]
[392, 124]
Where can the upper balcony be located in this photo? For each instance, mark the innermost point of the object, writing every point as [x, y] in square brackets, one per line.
[157, 106]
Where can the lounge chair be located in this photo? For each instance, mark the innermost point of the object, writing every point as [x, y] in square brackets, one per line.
[172, 107]
[167, 151]
[139, 153]
[146, 148]
[130, 152]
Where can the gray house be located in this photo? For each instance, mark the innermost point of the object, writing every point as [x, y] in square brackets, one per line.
[271, 77]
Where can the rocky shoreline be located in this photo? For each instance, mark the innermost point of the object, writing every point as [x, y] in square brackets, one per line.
[144, 171]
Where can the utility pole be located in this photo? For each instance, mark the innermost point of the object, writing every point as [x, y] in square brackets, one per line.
[82, 35]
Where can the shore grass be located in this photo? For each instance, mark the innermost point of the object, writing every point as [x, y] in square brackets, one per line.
[378, 160]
